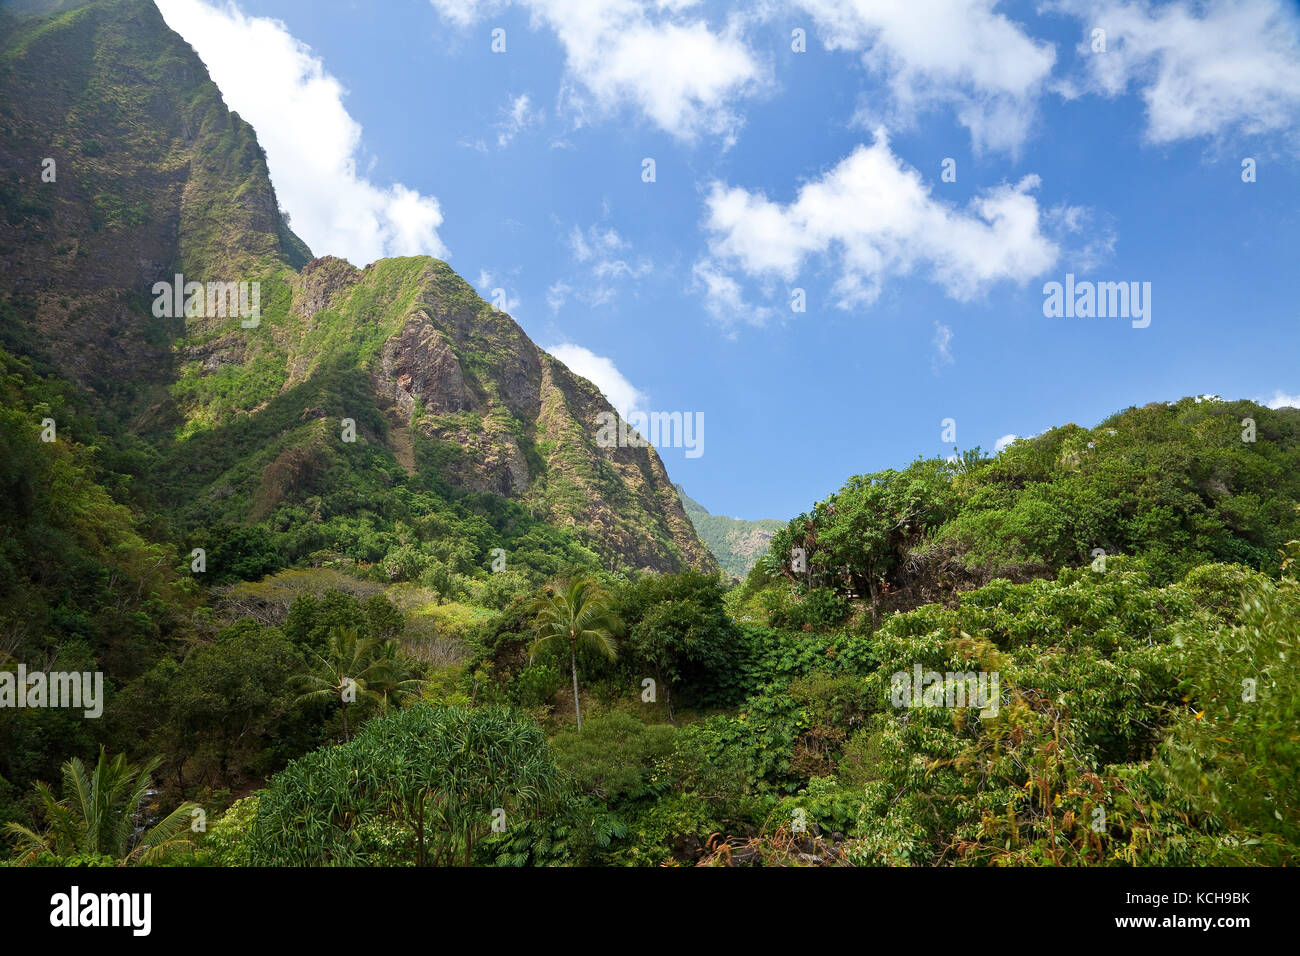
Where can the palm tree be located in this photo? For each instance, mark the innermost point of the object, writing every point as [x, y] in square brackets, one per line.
[390, 681]
[344, 671]
[578, 615]
[97, 815]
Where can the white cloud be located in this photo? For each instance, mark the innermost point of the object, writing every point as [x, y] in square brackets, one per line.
[460, 12]
[1096, 234]
[622, 394]
[874, 218]
[517, 117]
[620, 269]
[595, 241]
[1281, 399]
[673, 67]
[723, 298]
[942, 347]
[1203, 69]
[1003, 442]
[557, 294]
[956, 53]
[312, 144]
[597, 250]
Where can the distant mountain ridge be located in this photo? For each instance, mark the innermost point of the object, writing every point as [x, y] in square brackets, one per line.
[735, 542]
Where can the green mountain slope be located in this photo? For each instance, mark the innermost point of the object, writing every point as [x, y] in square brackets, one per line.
[736, 543]
[152, 175]
[1174, 485]
[244, 426]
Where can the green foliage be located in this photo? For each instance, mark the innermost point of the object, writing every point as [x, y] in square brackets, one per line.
[439, 578]
[537, 684]
[418, 786]
[223, 713]
[570, 831]
[856, 539]
[226, 841]
[1095, 754]
[355, 670]
[312, 619]
[614, 756]
[74, 564]
[576, 616]
[821, 608]
[679, 631]
[504, 587]
[1174, 484]
[1087, 667]
[1236, 759]
[676, 821]
[97, 817]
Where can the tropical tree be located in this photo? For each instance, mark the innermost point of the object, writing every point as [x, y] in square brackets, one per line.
[865, 528]
[390, 681]
[451, 773]
[97, 816]
[344, 673]
[577, 615]
[678, 627]
[424, 784]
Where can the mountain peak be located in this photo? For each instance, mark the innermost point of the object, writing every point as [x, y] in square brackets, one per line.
[158, 183]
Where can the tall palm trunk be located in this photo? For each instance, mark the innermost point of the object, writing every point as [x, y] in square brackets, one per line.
[573, 665]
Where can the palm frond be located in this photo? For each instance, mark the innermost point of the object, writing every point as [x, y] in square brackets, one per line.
[166, 836]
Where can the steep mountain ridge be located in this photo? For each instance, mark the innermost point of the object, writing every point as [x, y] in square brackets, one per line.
[151, 175]
[244, 417]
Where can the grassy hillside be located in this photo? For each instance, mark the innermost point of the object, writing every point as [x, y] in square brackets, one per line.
[1174, 484]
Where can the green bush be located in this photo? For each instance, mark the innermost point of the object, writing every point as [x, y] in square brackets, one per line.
[536, 684]
[615, 756]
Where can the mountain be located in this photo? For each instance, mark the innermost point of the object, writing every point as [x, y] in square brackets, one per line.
[241, 422]
[297, 526]
[736, 543]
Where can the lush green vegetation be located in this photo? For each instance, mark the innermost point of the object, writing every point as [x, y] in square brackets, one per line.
[96, 818]
[737, 544]
[445, 643]
[1175, 484]
[417, 707]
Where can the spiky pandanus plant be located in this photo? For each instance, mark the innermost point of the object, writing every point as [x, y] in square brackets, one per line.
[97, 815]
[574, 615]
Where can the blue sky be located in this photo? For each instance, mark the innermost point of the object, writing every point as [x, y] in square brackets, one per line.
[776, 170]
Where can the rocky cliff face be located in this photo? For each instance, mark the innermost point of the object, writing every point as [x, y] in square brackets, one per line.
[507, 418]
[120, 164]
[154, 176]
